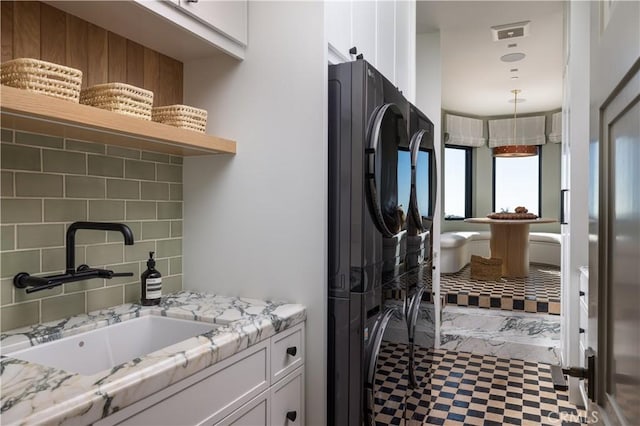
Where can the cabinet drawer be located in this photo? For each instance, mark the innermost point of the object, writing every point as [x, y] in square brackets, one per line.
[254, 413]
[287, 352]
[287, 400]
[213, 397]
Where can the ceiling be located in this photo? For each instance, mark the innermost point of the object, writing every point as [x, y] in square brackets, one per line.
[474, 79]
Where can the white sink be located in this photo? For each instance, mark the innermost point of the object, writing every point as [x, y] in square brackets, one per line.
[103, 348]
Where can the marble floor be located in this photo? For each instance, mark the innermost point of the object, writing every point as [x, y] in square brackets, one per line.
[537, 293]
[459, 388]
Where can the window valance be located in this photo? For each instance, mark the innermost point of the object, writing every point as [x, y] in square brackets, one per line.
[556, 128]
[464, 131]
[529, 131]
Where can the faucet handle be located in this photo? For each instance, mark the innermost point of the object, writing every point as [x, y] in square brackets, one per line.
[120, 274]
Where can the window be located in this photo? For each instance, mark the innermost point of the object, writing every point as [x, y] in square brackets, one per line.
[457, 182]
[516, 182]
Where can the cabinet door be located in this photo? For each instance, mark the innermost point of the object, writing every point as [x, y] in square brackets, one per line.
[338, 26]
[363, 27]
[228, 17]
[405, 47]
[287, 352]
[254, 413]
[287, 400]
[386, 38]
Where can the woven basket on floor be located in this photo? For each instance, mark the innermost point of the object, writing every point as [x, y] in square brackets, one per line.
[119, 97]
[182, 116]
[486, 269]
[42, 77]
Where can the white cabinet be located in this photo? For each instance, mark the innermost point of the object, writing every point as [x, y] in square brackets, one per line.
[363, 29]
[287, 401]
[338, 29]
[261, 385]
[177, 28]
[386, 38]
[383, 31]
[227, 17]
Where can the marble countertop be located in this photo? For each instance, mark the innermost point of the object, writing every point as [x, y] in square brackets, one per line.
[35, 394]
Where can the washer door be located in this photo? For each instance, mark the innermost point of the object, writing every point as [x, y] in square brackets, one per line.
[423, 180]
[387, 132]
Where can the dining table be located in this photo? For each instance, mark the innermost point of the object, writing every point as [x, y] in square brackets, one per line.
[509, 241]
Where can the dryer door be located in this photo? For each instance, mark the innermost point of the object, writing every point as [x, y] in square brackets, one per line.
[386, 134]
[423, 181]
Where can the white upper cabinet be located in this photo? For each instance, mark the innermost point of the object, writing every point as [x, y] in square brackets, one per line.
[228, 17]
[338, 28]
[363, 29]
[383, 31]
[177, 28]
[386, 38]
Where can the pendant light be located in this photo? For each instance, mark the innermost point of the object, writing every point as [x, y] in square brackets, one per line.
[515, 150]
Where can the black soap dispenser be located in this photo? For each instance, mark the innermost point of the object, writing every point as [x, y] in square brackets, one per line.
[151, 284]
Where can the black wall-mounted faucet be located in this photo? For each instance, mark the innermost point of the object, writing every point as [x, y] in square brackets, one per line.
[96, 226]
[84, 272]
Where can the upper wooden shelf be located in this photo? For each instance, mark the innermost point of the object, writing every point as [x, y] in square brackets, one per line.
[32, 112]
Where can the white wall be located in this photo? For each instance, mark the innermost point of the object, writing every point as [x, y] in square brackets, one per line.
[255, 224]
[429, 101]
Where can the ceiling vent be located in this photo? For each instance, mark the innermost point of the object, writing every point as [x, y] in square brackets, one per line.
[509, 31]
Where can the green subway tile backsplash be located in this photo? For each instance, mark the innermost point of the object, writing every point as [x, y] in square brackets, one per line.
[175, 192]
[154, 191]
[6, 181]
[155, 156]
[155, 230]
[35, 236]
[143, 170]
[84, 187]
[169, 248]
[106, 211]
[82, 146]
[16, 157]
[103, 254]
[38, 185]
[123, 189]
[169, 173]
[34, 139]
[62, 210]
[48, 183]
[7, 237]
[64, 162]
[14, 262]
[6, 291]
[104, 297]
[6, 135]
[139, 210]
[169, 210]
[102, 165]
[139, 251]
[16, 210]
[19, 315]
[59, 307]
[118, 151]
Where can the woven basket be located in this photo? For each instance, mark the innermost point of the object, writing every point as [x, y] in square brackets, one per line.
[182, 116]
[42, 77]
[119, 97]
[486, 269]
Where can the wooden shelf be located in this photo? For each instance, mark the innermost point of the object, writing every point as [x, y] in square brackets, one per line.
[32, 112]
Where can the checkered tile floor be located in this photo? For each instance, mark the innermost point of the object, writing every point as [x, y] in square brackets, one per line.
[458, 388]
[539, 292]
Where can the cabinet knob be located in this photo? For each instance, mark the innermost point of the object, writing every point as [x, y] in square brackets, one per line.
[292, 415]
[292, 351]
[192, 1]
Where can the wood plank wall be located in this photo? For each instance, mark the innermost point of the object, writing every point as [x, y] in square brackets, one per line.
[31, 29]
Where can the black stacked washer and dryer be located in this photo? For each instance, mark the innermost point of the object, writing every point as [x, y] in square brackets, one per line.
[369, 188]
